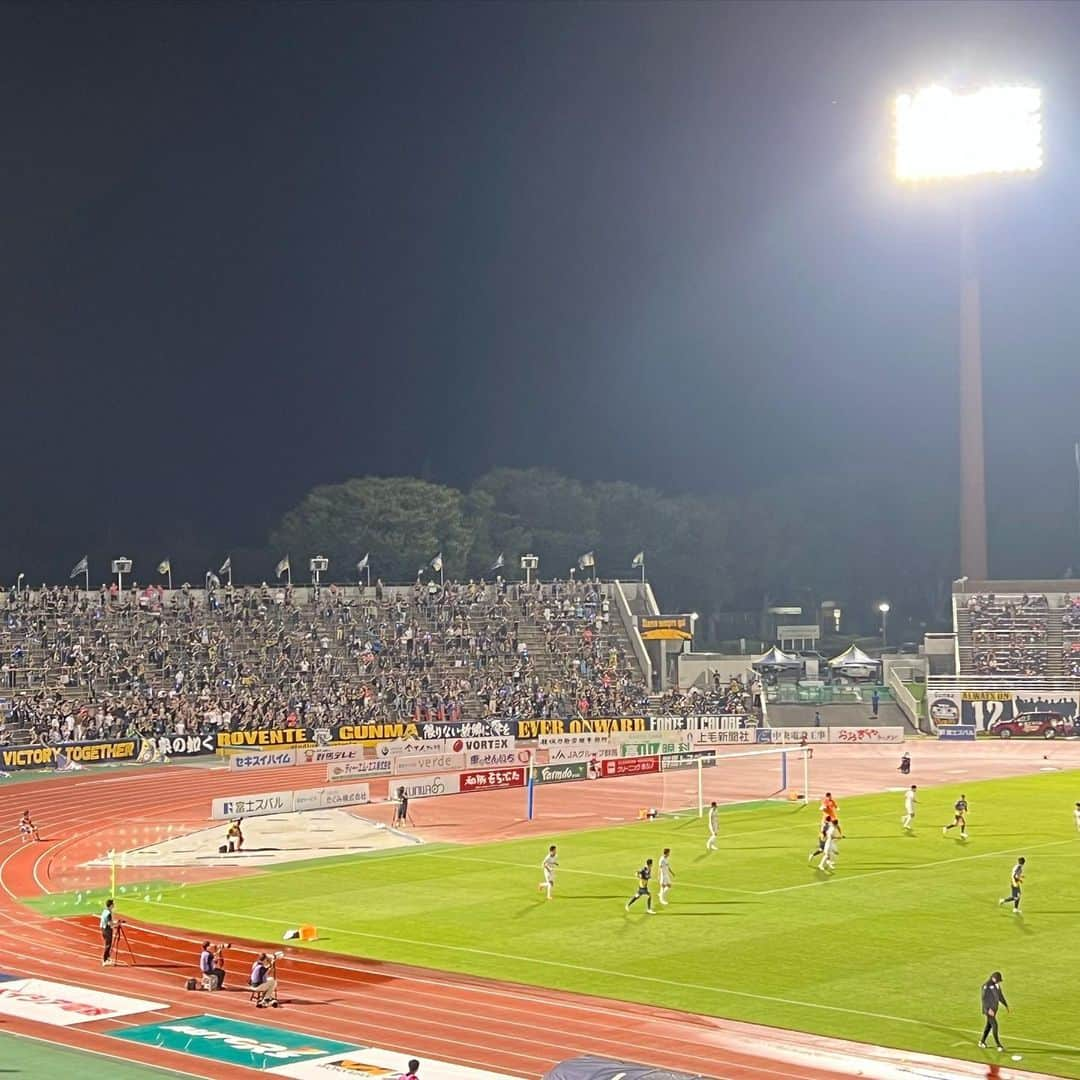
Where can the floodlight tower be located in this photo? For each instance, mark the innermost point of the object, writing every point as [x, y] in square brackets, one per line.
[942, 136]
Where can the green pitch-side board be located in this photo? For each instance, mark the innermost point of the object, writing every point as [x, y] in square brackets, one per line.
[252, 1045]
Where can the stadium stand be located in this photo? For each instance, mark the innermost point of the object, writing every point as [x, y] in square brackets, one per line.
[80, 665]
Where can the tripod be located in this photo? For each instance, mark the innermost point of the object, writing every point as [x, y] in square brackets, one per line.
[122, 938]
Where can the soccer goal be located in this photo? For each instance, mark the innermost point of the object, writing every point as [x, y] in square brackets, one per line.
[726, 775]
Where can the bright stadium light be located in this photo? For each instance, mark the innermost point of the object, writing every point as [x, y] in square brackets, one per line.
[941, 135]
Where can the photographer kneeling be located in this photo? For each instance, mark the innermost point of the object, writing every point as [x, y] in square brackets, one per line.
[264, 981]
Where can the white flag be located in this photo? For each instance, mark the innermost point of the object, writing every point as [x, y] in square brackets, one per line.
[212, 580]
[282, 566]
[362, 565]
[164, 567]
[436, 563]
[639, 559]
[498, 564]
[226, 566]
[79, 568]
[588, 559]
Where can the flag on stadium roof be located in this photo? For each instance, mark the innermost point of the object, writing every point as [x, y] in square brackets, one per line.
[363, 563]
[164, 567]
[282, 566]
[80, 567]
[588, 559]
[639, 559]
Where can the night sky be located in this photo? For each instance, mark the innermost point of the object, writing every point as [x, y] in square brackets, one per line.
[250, 248]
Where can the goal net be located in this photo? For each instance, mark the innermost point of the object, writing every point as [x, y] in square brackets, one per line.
[725, 775]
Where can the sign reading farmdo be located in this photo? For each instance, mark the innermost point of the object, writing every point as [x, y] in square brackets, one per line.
[666, 627]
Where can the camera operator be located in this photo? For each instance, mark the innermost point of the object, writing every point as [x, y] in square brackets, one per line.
[107, 925]
[264, 979]
[401, 810]
[212, 966]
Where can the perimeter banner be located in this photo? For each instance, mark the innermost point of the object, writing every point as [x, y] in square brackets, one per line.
[267, 802]
[559, 774]
[262, 759]
[493, 780]
[629, 766]
[715, 722]
[529, 730]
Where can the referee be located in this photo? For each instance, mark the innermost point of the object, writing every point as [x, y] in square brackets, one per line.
[106, 924]
[992, 1000]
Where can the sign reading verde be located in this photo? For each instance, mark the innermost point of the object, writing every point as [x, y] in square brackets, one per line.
[252, 1045]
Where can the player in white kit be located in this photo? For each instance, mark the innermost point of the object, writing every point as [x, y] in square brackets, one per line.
[667, 875]
[910, 799]
[710, 844]
[548, 866]
[828, 855]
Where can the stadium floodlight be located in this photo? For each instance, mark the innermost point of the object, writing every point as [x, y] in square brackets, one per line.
[941, 135]
[883, 607]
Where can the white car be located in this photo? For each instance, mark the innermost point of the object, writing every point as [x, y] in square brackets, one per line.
[855, 670]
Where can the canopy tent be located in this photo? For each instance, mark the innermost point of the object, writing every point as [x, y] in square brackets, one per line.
[777, 658]
[852, 655]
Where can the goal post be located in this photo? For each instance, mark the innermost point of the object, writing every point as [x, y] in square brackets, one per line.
[747, 775]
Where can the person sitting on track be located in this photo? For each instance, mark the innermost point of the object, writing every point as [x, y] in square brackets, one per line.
[263, 980]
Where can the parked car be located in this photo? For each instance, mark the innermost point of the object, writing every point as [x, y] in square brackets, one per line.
[855, 670]
[1046, 725]
[945, 711]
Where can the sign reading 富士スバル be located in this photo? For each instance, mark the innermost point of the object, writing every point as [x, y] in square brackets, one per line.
[268, 802]
[234, 1042]
[99, 752]
[62, 1005]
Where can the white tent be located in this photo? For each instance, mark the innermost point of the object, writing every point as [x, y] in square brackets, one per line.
[777, 658]
[852, 655]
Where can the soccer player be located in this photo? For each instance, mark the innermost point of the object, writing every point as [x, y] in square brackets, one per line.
[828, 807]
[992, 999]
[1017, 884]
[1076, 815]
[710, 844]
[828, 853]
[644, 876]
[910, 799]
[548, 866]
[28, 830]
[959, 818]
[667, 875]
[822, 837]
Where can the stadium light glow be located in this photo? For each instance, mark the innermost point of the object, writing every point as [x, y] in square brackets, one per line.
[941, 135]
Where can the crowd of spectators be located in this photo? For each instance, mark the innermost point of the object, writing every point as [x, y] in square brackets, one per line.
[720, 697]
[1007, 632]
[1011, 661]
[78, 665]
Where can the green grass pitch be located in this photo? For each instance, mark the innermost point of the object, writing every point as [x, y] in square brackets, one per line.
[890, 949]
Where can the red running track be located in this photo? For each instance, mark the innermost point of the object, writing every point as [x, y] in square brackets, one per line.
[502, 1027]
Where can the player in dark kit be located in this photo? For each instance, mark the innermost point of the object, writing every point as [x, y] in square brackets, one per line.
[992, 1000]
[1016, 885]
[959, 818]
[644, 876]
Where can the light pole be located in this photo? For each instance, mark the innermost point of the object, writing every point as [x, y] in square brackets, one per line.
[883, 607]
[945, 136]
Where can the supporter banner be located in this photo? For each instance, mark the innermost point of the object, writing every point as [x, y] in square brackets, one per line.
[654, 747]
[957, 731]
[182, 745]
[99, 752]
[62, 1006]
[866, 734]
[234, 1042]
[405, 764]
[717, 722]
[558, 774]
[497, 759]
[493, 779]
[415, 746]
[666, 627]
[791, 735]
[271, 802]
[630, 766]
[373, 1063]
[560, 754]
[351, 770]
[426, 787]
[530, 730]
[262, 759]
[326, 755]
[983, 709]
[496, 742]
[688, 761]
[383, 731]
[259, 737]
